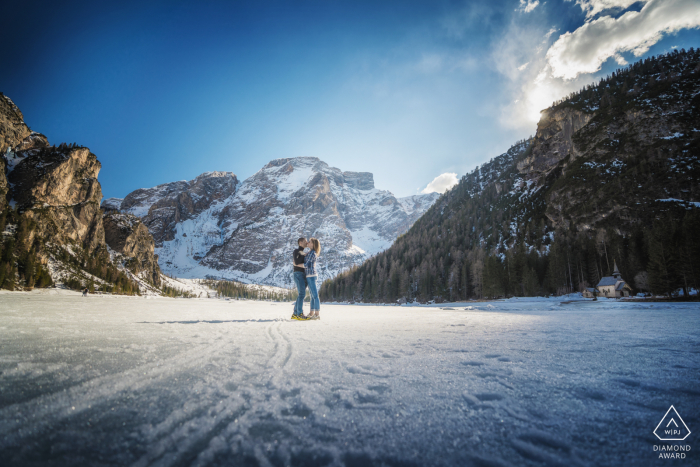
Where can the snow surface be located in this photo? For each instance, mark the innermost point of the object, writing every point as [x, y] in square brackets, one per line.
[134, 381]
[368, 242]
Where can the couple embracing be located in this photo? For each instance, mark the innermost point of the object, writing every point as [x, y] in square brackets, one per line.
[305, 274]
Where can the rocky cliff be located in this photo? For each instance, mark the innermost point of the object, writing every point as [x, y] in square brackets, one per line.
[129, 237]
[623, 148]
[164, 206]
[12, 132]
[246, 231]
[554, 140]
[51, 217]
[58, 189]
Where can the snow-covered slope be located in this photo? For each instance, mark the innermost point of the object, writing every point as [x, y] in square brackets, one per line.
[112, 204]
[205, 382]
[249, 234]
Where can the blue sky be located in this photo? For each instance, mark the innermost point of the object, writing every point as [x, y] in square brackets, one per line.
[163, 91]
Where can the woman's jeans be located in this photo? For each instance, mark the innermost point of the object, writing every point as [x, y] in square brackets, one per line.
[300, 281]
[315, 302]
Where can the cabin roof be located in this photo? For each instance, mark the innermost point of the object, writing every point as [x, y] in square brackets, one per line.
[607, 280]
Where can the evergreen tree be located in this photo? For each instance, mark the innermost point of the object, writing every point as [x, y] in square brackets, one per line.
[663, 260]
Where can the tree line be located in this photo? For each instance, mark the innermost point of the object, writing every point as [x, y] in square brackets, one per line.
[234, 289]
[660, 260]
[20, 268]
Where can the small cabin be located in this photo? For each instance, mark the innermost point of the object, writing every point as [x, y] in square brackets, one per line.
[590, 292]
[613, 286]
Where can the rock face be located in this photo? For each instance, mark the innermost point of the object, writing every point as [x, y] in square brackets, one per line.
[127, 235]
[554, 139]
[58, 187]
[359, 180]
[641, 148]
[248, 230]
[12, 132]
[164, 206]
[55, 195]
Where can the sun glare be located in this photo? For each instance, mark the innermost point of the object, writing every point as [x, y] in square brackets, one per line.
[538, 98]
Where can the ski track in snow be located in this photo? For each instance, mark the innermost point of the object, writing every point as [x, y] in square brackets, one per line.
[167, 382]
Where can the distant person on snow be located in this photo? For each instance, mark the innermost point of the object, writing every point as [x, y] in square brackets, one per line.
[85, 291]
[299, 279]
[311, 276]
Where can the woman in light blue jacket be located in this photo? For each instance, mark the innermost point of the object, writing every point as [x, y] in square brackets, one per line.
[311, 276]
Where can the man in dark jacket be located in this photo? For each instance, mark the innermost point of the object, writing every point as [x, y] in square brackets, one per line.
[299, 279]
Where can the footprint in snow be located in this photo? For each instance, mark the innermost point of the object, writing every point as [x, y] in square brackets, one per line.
[378, 389]
[477, 400]
[488, 397]
[472, 363]
[486, 375]
[542, 447]
[590, 394]
[297, 410]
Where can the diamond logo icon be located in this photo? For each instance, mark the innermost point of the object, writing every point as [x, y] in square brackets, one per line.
[672, 427]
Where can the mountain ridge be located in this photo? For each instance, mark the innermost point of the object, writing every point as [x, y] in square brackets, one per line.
[285, 199]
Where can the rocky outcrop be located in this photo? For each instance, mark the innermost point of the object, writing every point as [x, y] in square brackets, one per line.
[13, 131]
[610, 155]
[58, 188]
[164, 206]
[12, 127]
[56, 199]
[127, 235]
[249, 234]
[554, 139]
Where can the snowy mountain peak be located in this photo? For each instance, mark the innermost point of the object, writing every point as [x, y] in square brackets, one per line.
[294, 162]
[246, 231]
[215, 174]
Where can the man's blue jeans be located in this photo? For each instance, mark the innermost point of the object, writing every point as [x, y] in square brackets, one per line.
[300, 281]
[315, 302]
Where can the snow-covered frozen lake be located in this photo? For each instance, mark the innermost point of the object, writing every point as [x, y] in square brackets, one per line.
[131, 381]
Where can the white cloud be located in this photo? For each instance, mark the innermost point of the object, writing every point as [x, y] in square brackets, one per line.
[527, 87]
[549, 33]
[441, 183]
[528, 5]
[588, 47]
[523, 66]
[593, 7]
